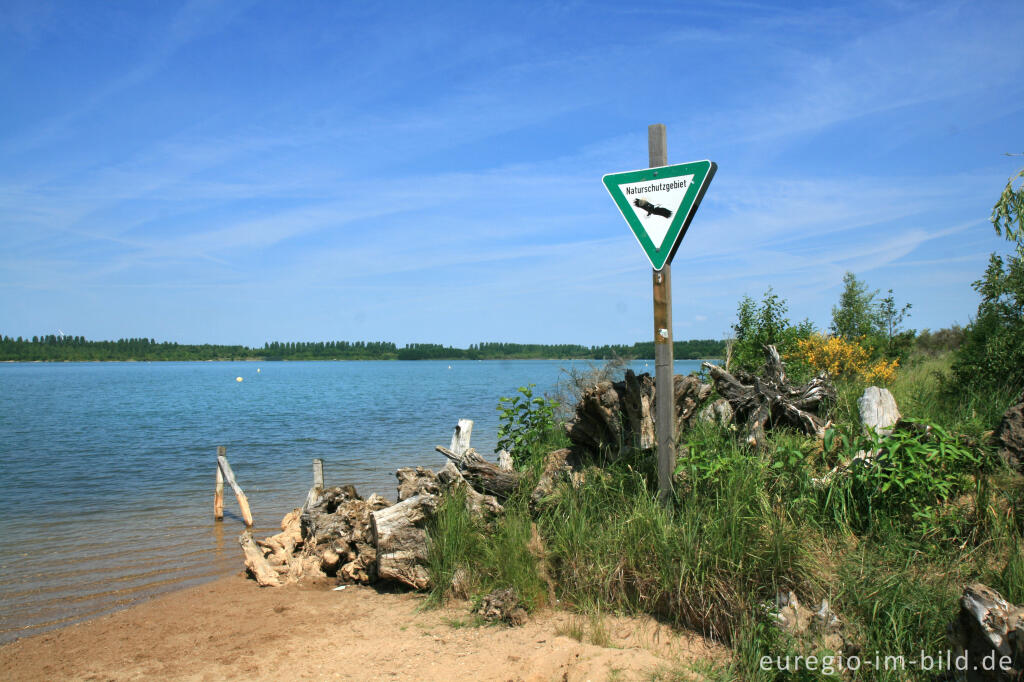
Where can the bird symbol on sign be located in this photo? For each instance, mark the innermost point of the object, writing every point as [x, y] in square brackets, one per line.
[645, 205]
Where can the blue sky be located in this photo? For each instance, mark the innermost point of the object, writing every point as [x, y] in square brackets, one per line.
[238, 172]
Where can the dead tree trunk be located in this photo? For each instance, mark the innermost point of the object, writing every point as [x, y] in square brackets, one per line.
[485, 477]
[614, 417]
[401, 540]
[762, 402]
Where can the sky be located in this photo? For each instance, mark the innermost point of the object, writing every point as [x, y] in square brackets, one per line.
[243, 172]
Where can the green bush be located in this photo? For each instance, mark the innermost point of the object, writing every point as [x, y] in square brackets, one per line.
[910, 475]
[992, 354]
[525, 422]
[760, 325]
[874, 323]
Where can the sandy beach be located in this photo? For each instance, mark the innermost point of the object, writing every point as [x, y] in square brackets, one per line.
[232, 629]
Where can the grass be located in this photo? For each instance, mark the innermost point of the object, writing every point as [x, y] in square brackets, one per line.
[490, 555]
[747, 524]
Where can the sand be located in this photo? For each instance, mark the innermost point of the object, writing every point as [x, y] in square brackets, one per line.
[232, 629]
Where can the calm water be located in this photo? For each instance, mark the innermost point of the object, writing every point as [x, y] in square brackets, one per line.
[106, 490]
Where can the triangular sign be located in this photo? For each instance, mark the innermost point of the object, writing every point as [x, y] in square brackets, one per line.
[659, 203]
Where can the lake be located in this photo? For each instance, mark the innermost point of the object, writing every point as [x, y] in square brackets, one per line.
[106, 495]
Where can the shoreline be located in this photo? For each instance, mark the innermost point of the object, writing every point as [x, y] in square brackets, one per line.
[230, 628]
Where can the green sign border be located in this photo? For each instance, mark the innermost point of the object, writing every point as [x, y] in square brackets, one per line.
[702, 172]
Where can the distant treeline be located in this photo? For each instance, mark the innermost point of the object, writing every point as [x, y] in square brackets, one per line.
[77, 348]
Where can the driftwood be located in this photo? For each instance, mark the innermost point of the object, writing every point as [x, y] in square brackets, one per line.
[218, 491]
[318, 484]
[558, 464]
[504, 606]
[461, 436]
[338, 525]
[762, 402]
[336, 533]
[256, 563]
[814, 624]
[282, 546]
[614, 417]
[478, 504]
[401, 540]
[229, 476]
[1010, 435]
[485, 477]
[878, 410]
[988, 636]
[505, 460]
[413, 481]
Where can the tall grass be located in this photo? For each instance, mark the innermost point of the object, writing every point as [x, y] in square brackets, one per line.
[487, 556]
[720, 550]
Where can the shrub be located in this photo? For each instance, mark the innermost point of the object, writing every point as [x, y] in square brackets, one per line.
[992, 354]
[843, 359]
[875, 324]
[525, 423]
[912, 473]
[760, 325]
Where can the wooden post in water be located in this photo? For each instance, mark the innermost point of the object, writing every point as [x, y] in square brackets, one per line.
[229, 476]
[664, 418]
[218, 494]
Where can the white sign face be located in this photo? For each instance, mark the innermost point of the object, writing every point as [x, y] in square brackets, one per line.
[658, 204]
[655, 203]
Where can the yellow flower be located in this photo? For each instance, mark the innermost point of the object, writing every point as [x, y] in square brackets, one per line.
[841, 358]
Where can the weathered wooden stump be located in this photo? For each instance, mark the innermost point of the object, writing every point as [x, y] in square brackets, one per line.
[612, 418]
[761, 402]
[400, 538]
[989, 634]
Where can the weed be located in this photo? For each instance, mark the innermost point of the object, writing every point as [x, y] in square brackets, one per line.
[525, 421]
[599, 635]
[574, 629]
[487, 557]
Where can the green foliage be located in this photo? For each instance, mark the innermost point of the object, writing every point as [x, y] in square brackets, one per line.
[705, 563]
[898, 342]
[1011, 579]
[875, 323]
[910, 475]
[938, 342]
[759, 325]
[524, 423]
[490, 556]
[856, 317]
[993, 349]
[992, 354]
[1008, 212]
[889, 545]
[901, 601]
[454, 540]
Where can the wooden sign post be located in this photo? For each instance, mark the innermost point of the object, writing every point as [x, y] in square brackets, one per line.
[658, 204]
[664, 417]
